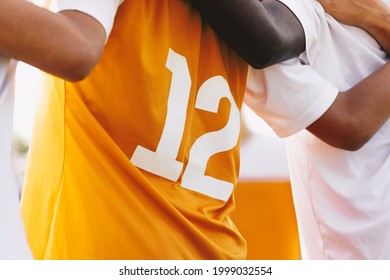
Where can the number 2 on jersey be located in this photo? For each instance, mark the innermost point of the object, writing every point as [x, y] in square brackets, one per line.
[162, 162]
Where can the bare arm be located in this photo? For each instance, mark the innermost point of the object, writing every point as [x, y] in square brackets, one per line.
[262, 32]
[370, 15]
[352, 119]
[68, 44]
[357, 114]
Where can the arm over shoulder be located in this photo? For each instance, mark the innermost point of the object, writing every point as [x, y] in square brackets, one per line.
[262, 32]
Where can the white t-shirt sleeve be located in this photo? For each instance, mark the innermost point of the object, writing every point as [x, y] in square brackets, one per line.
[103, 11]
[296, 94]
[296, 97]
[304, 10]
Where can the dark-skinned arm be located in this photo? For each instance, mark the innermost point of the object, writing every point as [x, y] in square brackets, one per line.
[349, 123]
[356, 114]
[261, 32]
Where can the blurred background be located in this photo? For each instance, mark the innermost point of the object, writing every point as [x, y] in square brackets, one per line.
[29, 82]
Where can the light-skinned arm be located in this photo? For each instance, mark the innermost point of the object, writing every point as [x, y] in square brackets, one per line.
[370, 15]
[66, 44]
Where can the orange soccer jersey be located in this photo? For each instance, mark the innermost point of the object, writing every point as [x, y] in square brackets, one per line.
[139, 160]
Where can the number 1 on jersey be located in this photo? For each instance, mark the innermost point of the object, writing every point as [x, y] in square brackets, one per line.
[163, 161]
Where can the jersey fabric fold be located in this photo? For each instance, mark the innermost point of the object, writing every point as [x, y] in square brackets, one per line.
[140, 159]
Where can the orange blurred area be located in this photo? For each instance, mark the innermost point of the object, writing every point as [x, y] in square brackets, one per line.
[265, 216]
[265, 213]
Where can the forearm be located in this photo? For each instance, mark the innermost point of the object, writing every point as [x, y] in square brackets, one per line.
[262, 32]
[378, 25]
[370, 15]
[357, 114]
[67, 45]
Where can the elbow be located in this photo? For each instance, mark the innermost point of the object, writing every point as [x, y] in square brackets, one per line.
[74, 73]
[80, 66]
[350, 140]
[77, 72]
[351, 145]
[78, 62]
[349, 136]
[354, 134]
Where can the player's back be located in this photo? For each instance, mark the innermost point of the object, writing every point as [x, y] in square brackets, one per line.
[139, 160]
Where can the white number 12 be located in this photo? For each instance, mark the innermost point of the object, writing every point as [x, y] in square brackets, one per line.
[162, 162]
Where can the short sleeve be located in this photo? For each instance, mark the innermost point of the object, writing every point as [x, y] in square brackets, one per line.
[103, 11]
[305, 11]
[296, 96]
